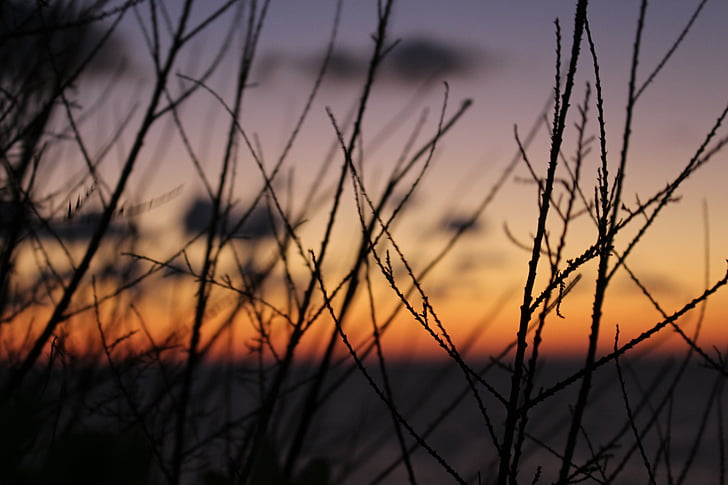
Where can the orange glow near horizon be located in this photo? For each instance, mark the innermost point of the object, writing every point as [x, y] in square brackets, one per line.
[479, 331]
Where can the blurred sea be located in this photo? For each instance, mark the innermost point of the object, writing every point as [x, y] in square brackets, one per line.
[679, 413]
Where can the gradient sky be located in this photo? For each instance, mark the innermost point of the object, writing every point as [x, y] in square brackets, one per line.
[500, 54]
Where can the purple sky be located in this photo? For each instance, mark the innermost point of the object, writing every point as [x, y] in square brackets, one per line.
[501, 54]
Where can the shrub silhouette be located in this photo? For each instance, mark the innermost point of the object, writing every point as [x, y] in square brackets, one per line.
[96, 457]
[95, 390]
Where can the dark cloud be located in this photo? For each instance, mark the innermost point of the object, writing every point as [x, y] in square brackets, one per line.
[345, 65]
[423, 58]
[78, 223]
[80, 227]
[32, 34]
[415, 59]
[455, 223]
[257, 224]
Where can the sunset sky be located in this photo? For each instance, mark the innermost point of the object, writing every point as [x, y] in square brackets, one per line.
[500, 54]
